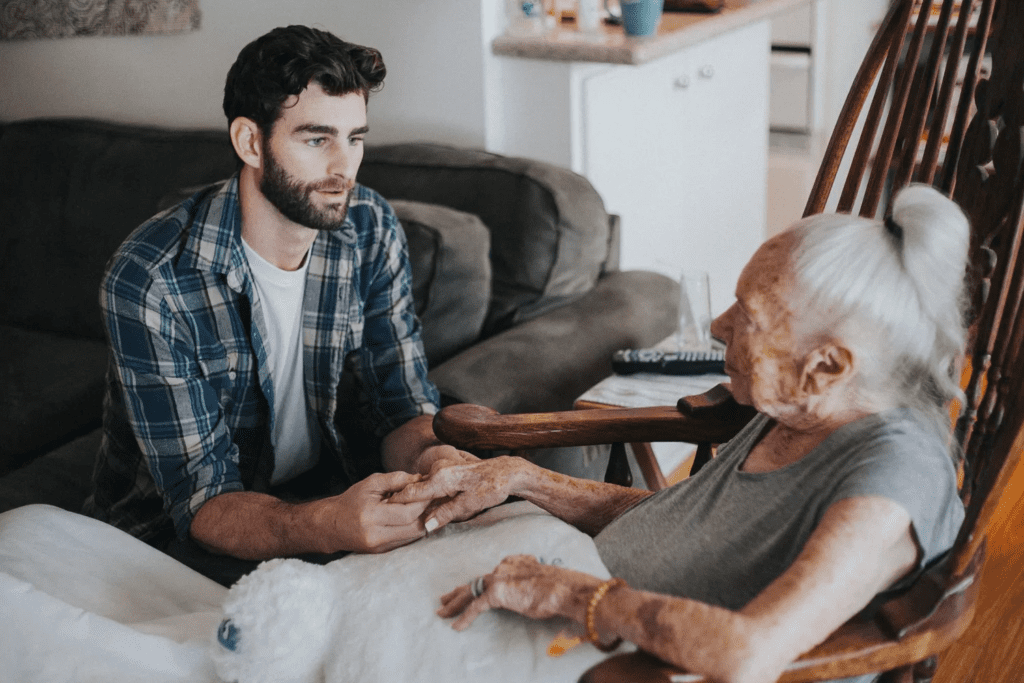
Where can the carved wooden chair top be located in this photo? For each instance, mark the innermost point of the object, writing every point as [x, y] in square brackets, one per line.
[939, 99]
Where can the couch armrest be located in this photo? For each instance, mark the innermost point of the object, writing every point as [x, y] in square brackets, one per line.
[546, 363]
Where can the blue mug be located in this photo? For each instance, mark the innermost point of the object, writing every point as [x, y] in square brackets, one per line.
[641, 17]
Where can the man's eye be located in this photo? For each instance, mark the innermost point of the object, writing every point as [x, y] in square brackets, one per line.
[316, 142]
[355, 141]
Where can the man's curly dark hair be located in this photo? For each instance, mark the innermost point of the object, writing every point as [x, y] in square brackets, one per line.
[284, 61]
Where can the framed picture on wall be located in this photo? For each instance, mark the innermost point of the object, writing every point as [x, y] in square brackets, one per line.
[28, 19]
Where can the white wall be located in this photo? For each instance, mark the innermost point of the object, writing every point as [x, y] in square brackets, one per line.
[851, 26]
[435, 52]
[443, 82]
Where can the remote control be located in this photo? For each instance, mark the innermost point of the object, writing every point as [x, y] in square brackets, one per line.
[628, 361]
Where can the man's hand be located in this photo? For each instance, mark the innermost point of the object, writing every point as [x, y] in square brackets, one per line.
[365, 518]
[464, 490]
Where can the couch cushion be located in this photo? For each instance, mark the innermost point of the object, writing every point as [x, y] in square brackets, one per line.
[549, 229]
[62, 477]
[451, 274]
[546, 363]
[72, 190]
[51, 388]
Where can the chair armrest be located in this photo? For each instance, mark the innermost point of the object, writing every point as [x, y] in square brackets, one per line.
[547, 362]
[477, 427]
[718, 403]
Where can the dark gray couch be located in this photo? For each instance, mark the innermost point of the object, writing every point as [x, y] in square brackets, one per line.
[515, 271]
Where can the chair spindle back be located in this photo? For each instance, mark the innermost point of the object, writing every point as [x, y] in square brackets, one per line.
[946, 84]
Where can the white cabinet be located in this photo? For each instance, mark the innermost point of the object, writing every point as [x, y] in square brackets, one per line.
[677, 147]
[679, 150]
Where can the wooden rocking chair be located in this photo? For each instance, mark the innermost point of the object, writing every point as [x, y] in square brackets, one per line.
[951, 115]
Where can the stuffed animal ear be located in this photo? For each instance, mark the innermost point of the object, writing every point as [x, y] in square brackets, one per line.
[278, 621]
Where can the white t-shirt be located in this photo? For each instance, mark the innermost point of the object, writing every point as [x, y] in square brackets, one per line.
[295, 436]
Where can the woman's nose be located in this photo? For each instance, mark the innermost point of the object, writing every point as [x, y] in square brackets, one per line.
[721, 327]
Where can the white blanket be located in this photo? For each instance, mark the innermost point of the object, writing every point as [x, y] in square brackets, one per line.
[85, 602]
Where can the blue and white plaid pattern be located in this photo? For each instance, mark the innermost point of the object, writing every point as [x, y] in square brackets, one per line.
[188, 410]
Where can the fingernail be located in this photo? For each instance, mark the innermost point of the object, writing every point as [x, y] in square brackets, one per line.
[431, 525]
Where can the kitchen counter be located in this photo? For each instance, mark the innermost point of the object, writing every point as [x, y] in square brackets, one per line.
[610, 45]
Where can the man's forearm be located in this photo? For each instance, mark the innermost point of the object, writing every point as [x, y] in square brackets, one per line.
[256, 526]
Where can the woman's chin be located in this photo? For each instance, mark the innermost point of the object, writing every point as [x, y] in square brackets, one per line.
[739, 390]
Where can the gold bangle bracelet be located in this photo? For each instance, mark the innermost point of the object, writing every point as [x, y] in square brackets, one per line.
[592, 635]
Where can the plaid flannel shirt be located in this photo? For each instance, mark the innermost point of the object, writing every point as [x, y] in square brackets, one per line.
[189, 402]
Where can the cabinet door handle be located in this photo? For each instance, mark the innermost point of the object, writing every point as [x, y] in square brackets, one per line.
[706, 71]
[682, 83]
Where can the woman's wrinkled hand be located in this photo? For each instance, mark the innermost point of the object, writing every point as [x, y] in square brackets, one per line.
[461, 491]
[522, 584]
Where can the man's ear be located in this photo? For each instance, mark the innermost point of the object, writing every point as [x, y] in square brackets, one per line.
[247, 141]
[826, 367]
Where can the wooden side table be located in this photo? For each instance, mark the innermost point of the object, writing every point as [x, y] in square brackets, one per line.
[643, 390]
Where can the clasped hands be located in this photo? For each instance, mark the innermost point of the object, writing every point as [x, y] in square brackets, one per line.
[390, 509]
[457, 488]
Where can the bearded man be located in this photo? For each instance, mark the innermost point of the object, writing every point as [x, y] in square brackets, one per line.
[230, 320]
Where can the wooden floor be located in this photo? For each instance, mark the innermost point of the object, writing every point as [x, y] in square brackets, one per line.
[992, 650]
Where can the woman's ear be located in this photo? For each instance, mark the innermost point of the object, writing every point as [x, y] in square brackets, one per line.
[827, 367]
[247, 141]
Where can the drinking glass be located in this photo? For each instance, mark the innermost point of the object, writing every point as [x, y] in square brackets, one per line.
[694, 332]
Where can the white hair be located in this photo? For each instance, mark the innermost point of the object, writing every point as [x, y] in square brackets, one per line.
[894, 291]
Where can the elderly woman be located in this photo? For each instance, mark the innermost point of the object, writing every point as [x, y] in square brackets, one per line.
[845, 335]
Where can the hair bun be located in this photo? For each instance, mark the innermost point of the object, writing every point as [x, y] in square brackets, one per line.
[936, 235]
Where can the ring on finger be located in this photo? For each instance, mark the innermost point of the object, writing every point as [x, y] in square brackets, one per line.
[476, 588]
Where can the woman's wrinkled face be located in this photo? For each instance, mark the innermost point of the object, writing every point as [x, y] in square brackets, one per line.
[762, 358]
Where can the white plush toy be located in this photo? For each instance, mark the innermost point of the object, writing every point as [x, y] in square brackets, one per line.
[367, 618]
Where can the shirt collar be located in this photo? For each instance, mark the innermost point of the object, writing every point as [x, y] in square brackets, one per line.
[214, 239]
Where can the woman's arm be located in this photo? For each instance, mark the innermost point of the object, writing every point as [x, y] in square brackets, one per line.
[468, 489]
[860, 547]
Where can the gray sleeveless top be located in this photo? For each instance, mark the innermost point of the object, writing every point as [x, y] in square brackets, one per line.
[723, 535]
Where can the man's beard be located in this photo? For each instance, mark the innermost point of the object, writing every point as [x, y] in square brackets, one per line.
[294, 200]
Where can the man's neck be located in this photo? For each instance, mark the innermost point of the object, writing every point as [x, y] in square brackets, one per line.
[274, 237]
